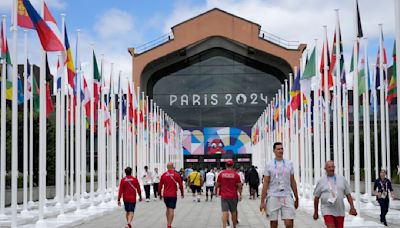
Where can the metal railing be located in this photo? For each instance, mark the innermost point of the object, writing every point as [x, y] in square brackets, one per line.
[278, 40]
[263, 34]
[154, 43]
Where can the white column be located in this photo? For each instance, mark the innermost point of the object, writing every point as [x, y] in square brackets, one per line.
[25, 126]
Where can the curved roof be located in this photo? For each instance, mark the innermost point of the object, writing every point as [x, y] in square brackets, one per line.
[210, 24]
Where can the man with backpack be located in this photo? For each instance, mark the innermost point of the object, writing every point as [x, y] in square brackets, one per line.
[195, 183]
[128, 188]
[168, 189]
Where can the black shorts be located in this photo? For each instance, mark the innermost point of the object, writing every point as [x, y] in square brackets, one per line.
[129, 207]
[195, 188]
[170, 202]
[210, 188]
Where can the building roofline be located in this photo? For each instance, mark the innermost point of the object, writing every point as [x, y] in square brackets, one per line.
[211, 10]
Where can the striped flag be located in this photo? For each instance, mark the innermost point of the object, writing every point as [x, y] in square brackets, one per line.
[392, 88]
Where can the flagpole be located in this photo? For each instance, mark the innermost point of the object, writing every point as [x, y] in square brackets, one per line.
[339, 93]
[14, 121]
[42, 133]
[62, 124]
[327, 95]
[119, 128]
[389, 170]
[91, 114]
[30, 203]
[71, 144]
[356, 116]
[83, 141]
[3, 216]
[113, 140]
[381, 103]
[78, 128]
[367, 148]
[397, 26]
[375, 123]
[25, 156]
[57, 142]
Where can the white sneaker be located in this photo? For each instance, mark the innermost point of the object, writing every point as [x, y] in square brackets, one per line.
[147, 200]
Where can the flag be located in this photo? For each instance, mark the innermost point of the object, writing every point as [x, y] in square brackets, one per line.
[69, 61]
[359, 27]
[392, 88]
[28, 80]
[24, 20]
[328, 65]
[309, 70]
[361, 78]
[20, 92]
[378, 73]
[48, 38]
[59, 75]
[276, 111]
[96, 80]
[49, 102]
[5, 55]
[295, 93]
[308, 73]
[86, 97]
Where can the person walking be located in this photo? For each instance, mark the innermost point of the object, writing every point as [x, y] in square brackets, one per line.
[210, 182]
[331, 190]
[156, 181]
[383, 187]
[254, 182]
[167, 189]
[230, 189]
[128, 188]
[279, 182]
[147, 180]
[194, 180]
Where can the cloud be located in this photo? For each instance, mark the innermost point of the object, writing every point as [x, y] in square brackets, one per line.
[114, 23]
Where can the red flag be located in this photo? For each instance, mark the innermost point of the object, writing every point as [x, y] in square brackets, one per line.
[49, 102]
[24, 20]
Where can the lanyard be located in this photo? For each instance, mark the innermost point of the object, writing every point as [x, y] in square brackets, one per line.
[384, 185]
[276, 168]
[334, 184]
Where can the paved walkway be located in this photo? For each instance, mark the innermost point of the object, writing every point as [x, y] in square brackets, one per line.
[191, 214]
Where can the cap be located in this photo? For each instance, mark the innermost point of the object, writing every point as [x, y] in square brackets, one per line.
[229, 162]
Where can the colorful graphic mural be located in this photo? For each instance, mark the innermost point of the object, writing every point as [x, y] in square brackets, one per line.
[223, 140]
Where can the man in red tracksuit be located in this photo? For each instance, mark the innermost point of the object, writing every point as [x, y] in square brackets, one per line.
[128, 188]
[168, 183]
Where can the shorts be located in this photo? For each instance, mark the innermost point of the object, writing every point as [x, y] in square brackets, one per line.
[229, 205]
[170, 202]
[254, 186]
[283, 206]
[210, 188]
[337, 221]
[129, 207]
[195, 188]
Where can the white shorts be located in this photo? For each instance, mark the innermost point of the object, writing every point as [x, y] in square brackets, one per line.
[283, 206]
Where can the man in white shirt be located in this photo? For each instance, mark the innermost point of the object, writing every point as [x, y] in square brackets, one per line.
[156, 181]
[279, 182]
[332, 189]
[210, 182]
[147, 179]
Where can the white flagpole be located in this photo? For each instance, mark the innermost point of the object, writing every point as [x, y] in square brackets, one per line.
[375, 123]
[25, 156]
[356, 116]
[92, 133]
[113, 140]
[3, 134]
[119, 128]
[14, 121]
[381, 103]
[78, 129]
[62, 129]
[58, 160]
[71, 145]
[397, 26]
[30, 203]
[327, 95]
[316, 133]
[339, 95]
[83, 143]
[389, 170]
[367, 148]
[42, 134]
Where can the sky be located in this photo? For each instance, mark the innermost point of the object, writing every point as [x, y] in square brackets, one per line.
[114, 26]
